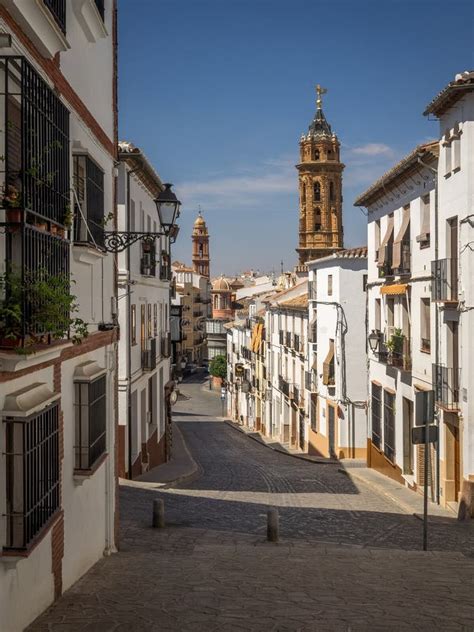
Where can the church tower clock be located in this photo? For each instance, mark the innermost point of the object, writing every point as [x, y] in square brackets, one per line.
[320, 185]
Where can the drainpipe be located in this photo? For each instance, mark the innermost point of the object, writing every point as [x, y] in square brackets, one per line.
[437, 336]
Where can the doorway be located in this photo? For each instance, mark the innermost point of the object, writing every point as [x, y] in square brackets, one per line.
[331, 412]
[407, 444]
[453, 458]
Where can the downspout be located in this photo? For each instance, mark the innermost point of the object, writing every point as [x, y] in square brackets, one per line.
[437, 336]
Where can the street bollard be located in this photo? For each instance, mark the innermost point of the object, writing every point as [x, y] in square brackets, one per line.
[159, 513]
[272, 525]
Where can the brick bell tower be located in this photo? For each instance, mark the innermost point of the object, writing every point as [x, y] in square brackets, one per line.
[201, 261]
[320, 185]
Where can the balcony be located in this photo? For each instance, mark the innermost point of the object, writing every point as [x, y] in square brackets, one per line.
[148, 259]
[149, 356]
[385, 269]
[288, 340]
[446, 385]
[281, 337]
[394, 349]
[310, 381]
[296, 394]
[444, 286]
[297, 343]
[283, 386]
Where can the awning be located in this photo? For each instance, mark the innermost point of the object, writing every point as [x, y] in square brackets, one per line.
[393, 290]
[383, 246]
[327, 364]
[254, 337]
[397, 244]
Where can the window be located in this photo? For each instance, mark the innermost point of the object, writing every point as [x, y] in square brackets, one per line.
[155, 320]
[89, 201]
[364, 282]
[316, 154]
[425, 322]
[143, 326]
[389, 425]
[317, 192]
[378, 315]
[376, 408]
[91, 416]
[150, 322]
[424, 237]
[376, 238]
[148, 258]
[133, 324]
[57, 9]
[332, 197]
[456, 154]
[390, 312]
[447, 154]
[317, 219]
[329, 284]
[100, 8]
[32, 474]
[303, 194]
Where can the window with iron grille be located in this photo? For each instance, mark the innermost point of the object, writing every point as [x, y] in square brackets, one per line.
[88, 201]
[100, 8]
[148, 258]
[32, 474]
[376, 406]
[34, 145]
[91, 414]
[389, 425]
[57, 9]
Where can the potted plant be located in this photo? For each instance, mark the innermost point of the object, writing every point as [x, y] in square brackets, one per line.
[52, 310]
[218, 369]
[394, 345]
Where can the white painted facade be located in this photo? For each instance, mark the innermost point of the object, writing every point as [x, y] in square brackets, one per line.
[337, 344]
[144, 315]
[87, 496]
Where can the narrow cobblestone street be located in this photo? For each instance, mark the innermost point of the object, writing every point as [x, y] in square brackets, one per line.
[349, 558]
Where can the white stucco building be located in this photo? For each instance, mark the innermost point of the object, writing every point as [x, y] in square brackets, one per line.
[336, 372]
[58, 120]
[144, 276]
[420, 295]
[286, 325]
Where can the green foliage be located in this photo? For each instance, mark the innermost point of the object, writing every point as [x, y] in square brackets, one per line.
[51, 308]
[218, 367]
[395, 342]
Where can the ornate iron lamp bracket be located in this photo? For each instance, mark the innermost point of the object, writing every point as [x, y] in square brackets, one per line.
[118, 241]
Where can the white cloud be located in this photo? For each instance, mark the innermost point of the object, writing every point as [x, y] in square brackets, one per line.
[372, 149]
[239, 189]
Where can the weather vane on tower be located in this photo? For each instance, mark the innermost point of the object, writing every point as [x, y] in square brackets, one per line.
[320, 91]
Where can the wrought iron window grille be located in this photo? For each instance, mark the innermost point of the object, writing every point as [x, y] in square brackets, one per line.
[91, 424]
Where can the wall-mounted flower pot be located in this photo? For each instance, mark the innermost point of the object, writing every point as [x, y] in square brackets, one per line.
[43, 226]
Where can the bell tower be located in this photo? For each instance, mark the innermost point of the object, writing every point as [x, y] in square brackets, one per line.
[201, 261]
[320, 186]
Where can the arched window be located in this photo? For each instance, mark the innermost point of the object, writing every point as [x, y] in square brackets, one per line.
[317, 192]
[331, 191]
[303, 194]
[316, 154]
[200, 250]
[216, 298]
[317, 219]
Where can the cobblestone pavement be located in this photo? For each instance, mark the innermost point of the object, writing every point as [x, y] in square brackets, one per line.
[347, 559]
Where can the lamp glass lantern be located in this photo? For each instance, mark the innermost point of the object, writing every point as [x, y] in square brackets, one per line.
[167, 205]
[373, 340]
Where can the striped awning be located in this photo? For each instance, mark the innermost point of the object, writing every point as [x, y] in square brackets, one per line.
[400, 288]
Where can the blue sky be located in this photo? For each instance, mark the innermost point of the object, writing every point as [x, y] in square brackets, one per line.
[218, 92]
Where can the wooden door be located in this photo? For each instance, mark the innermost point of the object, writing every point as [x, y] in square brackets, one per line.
[331, 430]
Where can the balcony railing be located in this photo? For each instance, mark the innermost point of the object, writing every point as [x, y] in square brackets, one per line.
[400, 356]
[297, 343]
[148, 259]
[288, 339]
[149, 356]
[386, 269]
[281, 337]
[446, 384]
[57, 9]
[34, 146]
[296, 394]
[310, 381]
[284, 386]
[444, 286]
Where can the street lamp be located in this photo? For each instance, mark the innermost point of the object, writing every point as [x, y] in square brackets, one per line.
[167, 205]
[374, 340]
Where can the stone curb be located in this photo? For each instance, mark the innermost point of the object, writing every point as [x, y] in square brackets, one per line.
[190, 476]
[261, 441]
